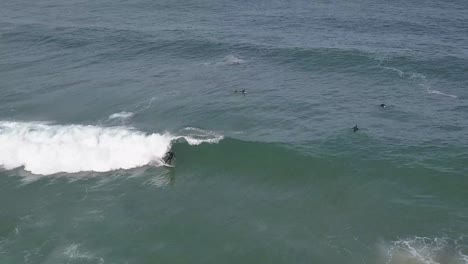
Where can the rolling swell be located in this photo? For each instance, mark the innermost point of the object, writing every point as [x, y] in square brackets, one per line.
[331, 157]
[119, 44]
[340, 191]
[334, 162]
[238, 156]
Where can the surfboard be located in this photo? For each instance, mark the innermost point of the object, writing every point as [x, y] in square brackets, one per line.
[168, 165]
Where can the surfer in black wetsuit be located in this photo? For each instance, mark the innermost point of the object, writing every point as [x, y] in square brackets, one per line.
[383, 105]
[168, 157]
[355, 128]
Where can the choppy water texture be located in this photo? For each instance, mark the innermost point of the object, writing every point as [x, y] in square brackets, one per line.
[93, 93]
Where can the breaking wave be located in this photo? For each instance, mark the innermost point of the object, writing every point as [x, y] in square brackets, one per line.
[46, 149]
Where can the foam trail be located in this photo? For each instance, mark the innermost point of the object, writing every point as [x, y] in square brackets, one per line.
[48, 149]
[430, 91]
[121, 115]
[426, 84]
[197, 136]
[421, 78]
[400, 72]
[125, 115]
[197, 141]
[142, 107]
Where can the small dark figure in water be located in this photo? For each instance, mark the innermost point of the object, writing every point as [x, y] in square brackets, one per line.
[168, 157]
[383, 105]
[240, 91]
[355, 128]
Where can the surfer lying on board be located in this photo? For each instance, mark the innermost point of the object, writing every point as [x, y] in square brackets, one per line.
[168, 157]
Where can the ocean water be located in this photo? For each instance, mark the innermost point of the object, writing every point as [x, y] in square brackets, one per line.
[93, 93]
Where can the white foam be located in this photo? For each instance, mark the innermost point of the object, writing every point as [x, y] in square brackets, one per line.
[196, 129]
[232, 60]
[197, 141]
[422, 250]
[73, 252]
[121, 115]
[463, 257]
[48, 149]
[197, 136]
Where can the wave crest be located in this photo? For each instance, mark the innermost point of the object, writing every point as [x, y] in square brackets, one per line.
[48, 149]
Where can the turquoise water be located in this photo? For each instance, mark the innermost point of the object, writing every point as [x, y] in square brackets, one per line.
[93, 93]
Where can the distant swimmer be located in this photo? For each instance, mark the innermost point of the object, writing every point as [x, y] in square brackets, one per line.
[383, 105]
[168, 157]
[240, 91]
[355, 128]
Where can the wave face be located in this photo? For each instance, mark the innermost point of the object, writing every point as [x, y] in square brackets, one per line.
[48, 149]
